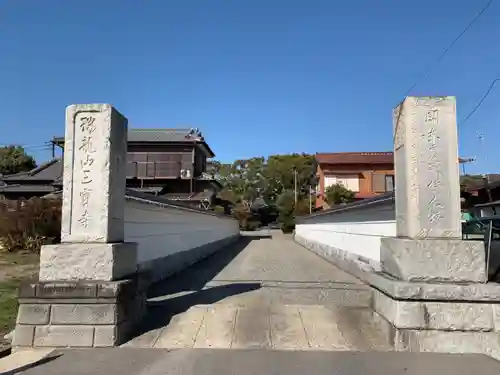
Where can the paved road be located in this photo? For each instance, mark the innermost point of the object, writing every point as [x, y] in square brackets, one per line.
[262, 293]
[125, 361]
[264, 306]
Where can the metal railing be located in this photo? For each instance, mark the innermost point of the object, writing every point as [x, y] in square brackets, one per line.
[486, 229]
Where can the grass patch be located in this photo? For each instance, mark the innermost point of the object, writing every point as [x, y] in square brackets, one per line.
[14, 268]
[18, 258]
[8, 307]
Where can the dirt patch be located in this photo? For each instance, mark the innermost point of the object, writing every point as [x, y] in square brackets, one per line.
[21, 265]
[14, 268]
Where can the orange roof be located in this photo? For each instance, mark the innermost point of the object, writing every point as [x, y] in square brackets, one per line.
[355, 158]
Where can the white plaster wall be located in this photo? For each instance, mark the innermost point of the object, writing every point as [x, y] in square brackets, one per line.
[161, 231]
[355, 232]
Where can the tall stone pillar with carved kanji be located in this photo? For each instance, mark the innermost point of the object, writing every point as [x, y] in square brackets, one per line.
[429, 246]
[92, 228]
[88, 293]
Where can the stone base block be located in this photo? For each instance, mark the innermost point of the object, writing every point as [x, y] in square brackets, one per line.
[439, 341]
[399, 289]
[78, 314]
[426, 316]
[439, 326]
[438, 315]
[449, 342]
[441, 260]
[88, 261]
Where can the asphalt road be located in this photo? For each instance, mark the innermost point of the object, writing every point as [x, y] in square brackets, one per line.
[127, 361]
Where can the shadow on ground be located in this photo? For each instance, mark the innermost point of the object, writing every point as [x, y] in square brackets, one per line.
[190, 284]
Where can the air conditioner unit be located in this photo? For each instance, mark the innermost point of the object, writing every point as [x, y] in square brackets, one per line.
[185, 173]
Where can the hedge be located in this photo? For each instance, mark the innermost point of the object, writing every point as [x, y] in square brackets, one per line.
[29, 224]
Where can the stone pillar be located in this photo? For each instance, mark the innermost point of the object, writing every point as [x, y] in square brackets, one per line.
[428, 246]
[94, 174]
[88, 293]
[92, 246]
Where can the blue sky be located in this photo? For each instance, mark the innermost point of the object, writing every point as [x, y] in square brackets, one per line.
[257, 77]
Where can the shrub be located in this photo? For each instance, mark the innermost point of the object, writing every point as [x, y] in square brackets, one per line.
[287, 210]
[288, 224]
[27, 225]
[338, 194]
[219, 210]
[252, 225]
[242, 214]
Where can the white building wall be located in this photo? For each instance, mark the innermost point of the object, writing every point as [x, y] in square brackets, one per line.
[162, 231]
[350, 182]
[356, 232]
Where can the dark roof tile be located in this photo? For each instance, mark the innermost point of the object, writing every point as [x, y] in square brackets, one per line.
[25, 188]
[163, 135]
[48, 171]
[355, 158]
[160, 135]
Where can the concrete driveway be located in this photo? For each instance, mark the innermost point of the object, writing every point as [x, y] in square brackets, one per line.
[264, 292]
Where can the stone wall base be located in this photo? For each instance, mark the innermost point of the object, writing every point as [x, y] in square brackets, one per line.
[78, 314]
[440, 260]
[423, 316]
[440, 341]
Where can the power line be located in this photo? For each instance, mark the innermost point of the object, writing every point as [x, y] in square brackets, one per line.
[488, 91]
[443, 54]
[450, 46]
[29, 147]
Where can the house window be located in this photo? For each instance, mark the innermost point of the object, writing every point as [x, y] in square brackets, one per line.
[350, 182]
[330, 180]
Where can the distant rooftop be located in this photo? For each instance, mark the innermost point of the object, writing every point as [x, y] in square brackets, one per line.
[355, 158]
[160, 135]
[165, 135]
[362, 158]
[49, 171]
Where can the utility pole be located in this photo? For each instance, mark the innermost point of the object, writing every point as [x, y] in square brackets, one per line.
[310, 200]
[295, 184]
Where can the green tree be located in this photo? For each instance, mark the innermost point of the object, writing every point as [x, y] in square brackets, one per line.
[242, 180]
[286, 207]
[13, 159]
[338, 194]
[270, 182]
[279, 175]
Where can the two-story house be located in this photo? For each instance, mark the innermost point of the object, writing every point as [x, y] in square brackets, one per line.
[167, 162]
[367, 174]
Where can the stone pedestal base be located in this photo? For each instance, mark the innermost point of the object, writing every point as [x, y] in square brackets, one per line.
[78, 314]
[423, 316]
[88, 261]
[440, 326]
[442, 260]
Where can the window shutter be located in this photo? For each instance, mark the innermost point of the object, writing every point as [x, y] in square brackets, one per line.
[378, 183]
[141, 169]
[389, 182]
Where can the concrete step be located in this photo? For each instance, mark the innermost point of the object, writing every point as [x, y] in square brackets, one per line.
[278, 327]
[241, 293]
